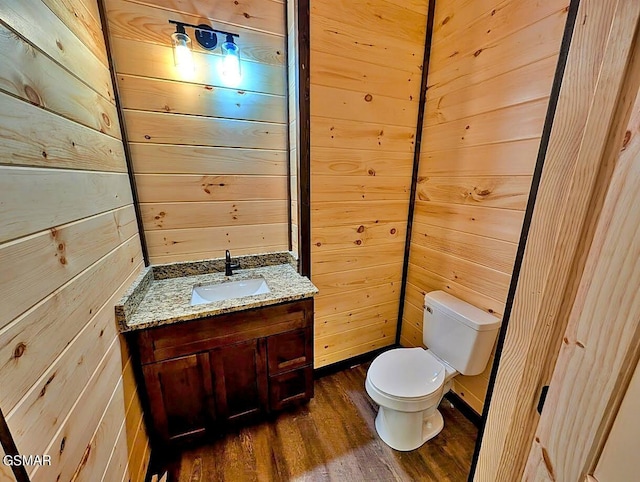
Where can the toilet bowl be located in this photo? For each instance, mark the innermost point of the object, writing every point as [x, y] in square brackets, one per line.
[408, 384]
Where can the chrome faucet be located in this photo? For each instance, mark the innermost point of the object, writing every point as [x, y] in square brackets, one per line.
[228, 266]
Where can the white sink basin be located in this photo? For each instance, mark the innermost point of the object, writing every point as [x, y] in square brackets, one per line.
[228, 290]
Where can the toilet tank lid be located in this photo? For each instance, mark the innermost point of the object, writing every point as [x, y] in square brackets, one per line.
[462, 311]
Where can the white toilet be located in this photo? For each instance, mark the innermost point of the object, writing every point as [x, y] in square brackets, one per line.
[409, 383]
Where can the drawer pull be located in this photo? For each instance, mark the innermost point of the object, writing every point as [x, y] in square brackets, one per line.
[295, 361]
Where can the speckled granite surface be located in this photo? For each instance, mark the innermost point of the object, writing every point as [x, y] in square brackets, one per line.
[154, 301]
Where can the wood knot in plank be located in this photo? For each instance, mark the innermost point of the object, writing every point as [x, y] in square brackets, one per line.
[371, 172]
[19, 350]
[360, 229]
[32, 95]
[44, 389]
[368, 98]
[626, 140]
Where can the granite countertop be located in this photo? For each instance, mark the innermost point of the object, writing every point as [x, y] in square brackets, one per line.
[161, 295]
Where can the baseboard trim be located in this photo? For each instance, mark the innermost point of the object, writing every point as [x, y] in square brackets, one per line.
[464, 408]
[350, 362]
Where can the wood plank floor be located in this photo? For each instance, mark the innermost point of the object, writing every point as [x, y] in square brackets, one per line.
[333, 438]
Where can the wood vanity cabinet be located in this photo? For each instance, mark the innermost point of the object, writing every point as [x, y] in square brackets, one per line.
[203, 374]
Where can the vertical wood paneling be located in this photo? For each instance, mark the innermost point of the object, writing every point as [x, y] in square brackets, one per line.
[193, 138]
[69, 243]
[492, 66]
[365, 82]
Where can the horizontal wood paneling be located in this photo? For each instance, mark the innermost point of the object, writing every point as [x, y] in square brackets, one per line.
[35, 137]
[162, 128]
[356, 74]
[347, 134]
[338, 303]
[160, 188]
[501, 224]
[357, 213]
[189, 215]
[339, 103]
[494, 93]
[134, 57]
[69, 245]
[355, 257]
[83, 22]
[33, 268]
[483, 61]
[492, 65]
[365, 82]
[339, 237]
[194, 140]
[361, 317]
[513, 158]
[201, 240]
[55, 197]
[206, 254]
[487, 281]
[349, 162]
[354, 43]
[34, 21]
[426, 281]
[170, 159]
[519, 122]
[156, 95]
[482, 250]
[29, 74]
[260, 15]
[498, 191]
[42, 333]
[358, 278]
[136, 21]
[359, 188]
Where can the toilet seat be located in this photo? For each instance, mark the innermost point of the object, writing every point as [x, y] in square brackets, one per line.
[407, 374]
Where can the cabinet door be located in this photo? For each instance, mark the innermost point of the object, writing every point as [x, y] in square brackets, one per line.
[240, 379]
[180, 396]
[291, 388]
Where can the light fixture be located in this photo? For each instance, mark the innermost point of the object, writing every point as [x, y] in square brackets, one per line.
[182, 51]
[229, 65]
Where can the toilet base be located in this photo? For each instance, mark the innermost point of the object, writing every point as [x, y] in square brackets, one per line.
[405, 431]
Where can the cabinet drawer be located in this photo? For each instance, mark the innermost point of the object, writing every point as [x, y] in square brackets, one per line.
[290, 388]
[288, 351]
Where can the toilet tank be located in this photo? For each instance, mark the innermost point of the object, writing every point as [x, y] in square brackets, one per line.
[459, 333]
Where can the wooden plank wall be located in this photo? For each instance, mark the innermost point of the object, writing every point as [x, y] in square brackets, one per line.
[491, 71]
[210, 161]
[365, 80]
[69, 246]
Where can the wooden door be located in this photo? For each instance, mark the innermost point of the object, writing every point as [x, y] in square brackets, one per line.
[600, 346]
[619, 461]
[180, 396]
[575, 308]
[240, 379]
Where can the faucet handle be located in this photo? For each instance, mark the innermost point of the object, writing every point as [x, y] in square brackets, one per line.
[227, 256]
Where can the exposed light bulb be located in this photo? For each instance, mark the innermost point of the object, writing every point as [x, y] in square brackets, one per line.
[230, 64]
[182, 53]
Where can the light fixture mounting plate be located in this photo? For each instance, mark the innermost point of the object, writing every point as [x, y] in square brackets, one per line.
[206, 37]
